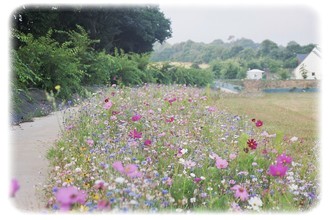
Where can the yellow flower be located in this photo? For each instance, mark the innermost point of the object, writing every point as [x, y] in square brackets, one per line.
[96, 197]
[69, 180]
[57, 87]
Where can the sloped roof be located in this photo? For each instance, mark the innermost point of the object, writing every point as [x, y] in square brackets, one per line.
[301, 57]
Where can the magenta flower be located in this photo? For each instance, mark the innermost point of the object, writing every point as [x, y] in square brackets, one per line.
[172, 100]
[259, 123]
[278, 170]
[136, 117]
[147, 142]
[240, 192]
[68, 196]
[135, 134]
[107, 105]
[221, 164]
[14, 187]
[252, 144]
[197, 179]
[284, 159]
[131, 170]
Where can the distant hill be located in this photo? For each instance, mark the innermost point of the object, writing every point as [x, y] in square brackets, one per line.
[243, 48]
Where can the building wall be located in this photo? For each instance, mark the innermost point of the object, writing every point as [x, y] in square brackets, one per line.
[253, 75]
[312, 64]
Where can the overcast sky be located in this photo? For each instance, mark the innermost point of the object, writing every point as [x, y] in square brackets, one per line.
[207, 23]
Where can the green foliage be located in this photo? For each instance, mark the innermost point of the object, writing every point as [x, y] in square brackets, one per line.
[134, 29]
[303, 71]
[169, 74]
[53, 63]
[228, 69]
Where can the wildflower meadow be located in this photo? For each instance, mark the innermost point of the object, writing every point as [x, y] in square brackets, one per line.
[158, 148]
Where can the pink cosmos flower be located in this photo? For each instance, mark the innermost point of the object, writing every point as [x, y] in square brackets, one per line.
[259, 123]
[100, 184]
[232, 156]
[68, 196]
[211, 109]
[14, 187]
[252, 144]
[107, 105]
[136, 117]
[221, 164]
[189, 164]
[278, 170]
[147, 142]
[103, 204]
[131, 170]
[240, 192]
[284, 159]
[135, 134]
[90, 142]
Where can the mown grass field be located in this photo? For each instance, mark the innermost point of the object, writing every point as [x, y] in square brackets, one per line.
[296, 114]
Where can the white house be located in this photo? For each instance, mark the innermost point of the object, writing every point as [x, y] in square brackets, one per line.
[254, 74]
[309, 66]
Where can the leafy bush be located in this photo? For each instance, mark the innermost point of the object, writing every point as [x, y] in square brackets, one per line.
[52, 62]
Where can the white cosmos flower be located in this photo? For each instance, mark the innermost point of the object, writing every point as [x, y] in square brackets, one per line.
[255, 203]
[119, 180]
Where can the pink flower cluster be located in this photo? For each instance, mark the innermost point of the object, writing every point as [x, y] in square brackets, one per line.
[279, 169]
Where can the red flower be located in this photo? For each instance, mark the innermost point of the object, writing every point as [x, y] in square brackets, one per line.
[252, 144]
[259, 123]
[171, 119]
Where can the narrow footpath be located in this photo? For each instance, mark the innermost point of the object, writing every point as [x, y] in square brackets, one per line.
[29, 143]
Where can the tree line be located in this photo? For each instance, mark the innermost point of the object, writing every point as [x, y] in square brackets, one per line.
[231, 60]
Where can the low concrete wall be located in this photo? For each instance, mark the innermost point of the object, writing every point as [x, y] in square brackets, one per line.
[259, 85]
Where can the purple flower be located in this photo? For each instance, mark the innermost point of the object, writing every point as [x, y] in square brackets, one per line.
[131, 170]
[278, 170]
[14, 187]
[68, 196]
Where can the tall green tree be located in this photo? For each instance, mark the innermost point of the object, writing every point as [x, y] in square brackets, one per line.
[133, 29]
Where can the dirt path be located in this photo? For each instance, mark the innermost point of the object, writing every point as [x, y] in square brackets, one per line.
[29, 144]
